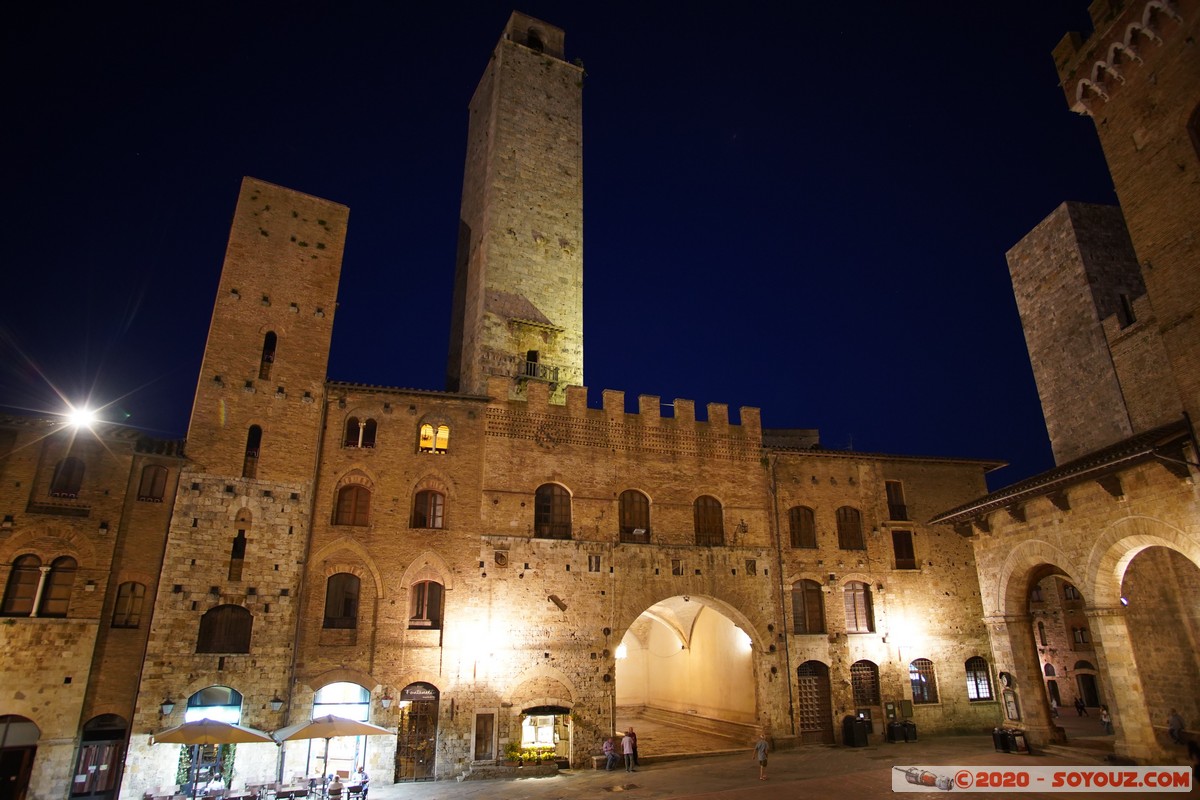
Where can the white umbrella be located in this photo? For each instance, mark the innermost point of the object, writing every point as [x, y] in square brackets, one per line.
[210, 731]
[327, 727]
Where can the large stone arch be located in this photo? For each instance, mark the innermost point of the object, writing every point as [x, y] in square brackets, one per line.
[49, 543]
[535, 687]
[631, 614]
[1025, 565]
[1120, 543]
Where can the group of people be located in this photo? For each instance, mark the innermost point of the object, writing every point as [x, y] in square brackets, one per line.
[629, 750]
[335, 786]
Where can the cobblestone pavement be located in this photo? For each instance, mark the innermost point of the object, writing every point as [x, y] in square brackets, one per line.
[811, 772]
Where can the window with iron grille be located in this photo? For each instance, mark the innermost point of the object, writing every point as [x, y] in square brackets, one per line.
[859, 618]
[634, 508]
[864, 683]
[803, 526]
[849, 526]
[709, 521]
[897, 508]
[341, 600]
[428, 509]
[808, 607]
[127, 611]
[552, 512]
[353, 506]
[979, 679]
[923, 680]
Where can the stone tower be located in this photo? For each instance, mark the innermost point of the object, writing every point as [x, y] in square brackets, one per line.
[1102, 371]
[235, 553]
[518, 285]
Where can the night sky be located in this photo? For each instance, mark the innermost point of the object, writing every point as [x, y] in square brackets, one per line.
[802, 208]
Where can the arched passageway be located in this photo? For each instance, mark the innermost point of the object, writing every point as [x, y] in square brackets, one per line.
[18, 745]
[685, 679]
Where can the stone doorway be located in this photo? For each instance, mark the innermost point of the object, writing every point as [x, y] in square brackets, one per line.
[815, 703]
[685, 676]
[18, 745]
[416, 742]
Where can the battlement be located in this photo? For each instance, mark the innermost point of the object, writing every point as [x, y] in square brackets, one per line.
[535, 34]
[1092, 68]
[521, 408]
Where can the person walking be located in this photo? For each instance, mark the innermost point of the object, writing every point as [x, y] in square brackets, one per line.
[760, 752]
[627, 749]
[1080, 708]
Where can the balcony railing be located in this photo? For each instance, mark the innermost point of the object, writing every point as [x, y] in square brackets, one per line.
[540, 372]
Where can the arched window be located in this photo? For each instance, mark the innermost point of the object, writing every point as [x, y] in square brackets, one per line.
[345, 700]
[1070, 592]
[808, 607]
[219, 703]
[552, 512]
[426, 608]
[709, 521]
[225, 629]
[341, 601]
[1049, 670]
[68, 477]
[979, 679]
[859, 618]
[428, 509]
[864, 683]
[268, 355]
[22, 586]
[353, 506]
[360, 432]
[56, 594]
[849, 527]
[253, 445]
[923, 680]
[153, 485]
[127, 611]
[634, 508]
[803, 527]
[434, 440]
[534, 40]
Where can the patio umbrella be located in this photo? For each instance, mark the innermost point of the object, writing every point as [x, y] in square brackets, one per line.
[210, 731]
[327, 727]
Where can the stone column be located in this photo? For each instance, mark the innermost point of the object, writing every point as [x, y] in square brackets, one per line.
[1122, 686]
[1016, 653]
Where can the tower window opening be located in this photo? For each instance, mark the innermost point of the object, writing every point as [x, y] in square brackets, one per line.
[268, 355]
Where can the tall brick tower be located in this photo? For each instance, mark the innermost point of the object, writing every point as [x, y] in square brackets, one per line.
[232, 569]
[518, 286]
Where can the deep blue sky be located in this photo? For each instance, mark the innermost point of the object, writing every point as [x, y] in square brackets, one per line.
[800, 208]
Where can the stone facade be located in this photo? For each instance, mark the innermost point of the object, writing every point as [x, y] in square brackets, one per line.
[1119, 518]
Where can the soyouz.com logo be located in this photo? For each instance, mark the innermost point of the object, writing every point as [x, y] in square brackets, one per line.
[1041, 779]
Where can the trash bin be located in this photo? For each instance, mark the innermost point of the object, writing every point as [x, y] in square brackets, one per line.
[1020, 744]
[910, 731]
[1000, 740]
[854, 732]
[895, 731]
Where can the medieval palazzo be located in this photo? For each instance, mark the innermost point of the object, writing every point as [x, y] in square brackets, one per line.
[505, 564]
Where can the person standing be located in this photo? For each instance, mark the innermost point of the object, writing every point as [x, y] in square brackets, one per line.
[1106, 719]
[610, 754]
[1053, 707]
[633, 735]
[1080, 708]
[760, 752]
[627, 749]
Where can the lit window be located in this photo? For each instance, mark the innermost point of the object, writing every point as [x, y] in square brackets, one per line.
[353, 506]
[428, 509]
[923, 680]
[434, 440]
[979, 679]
